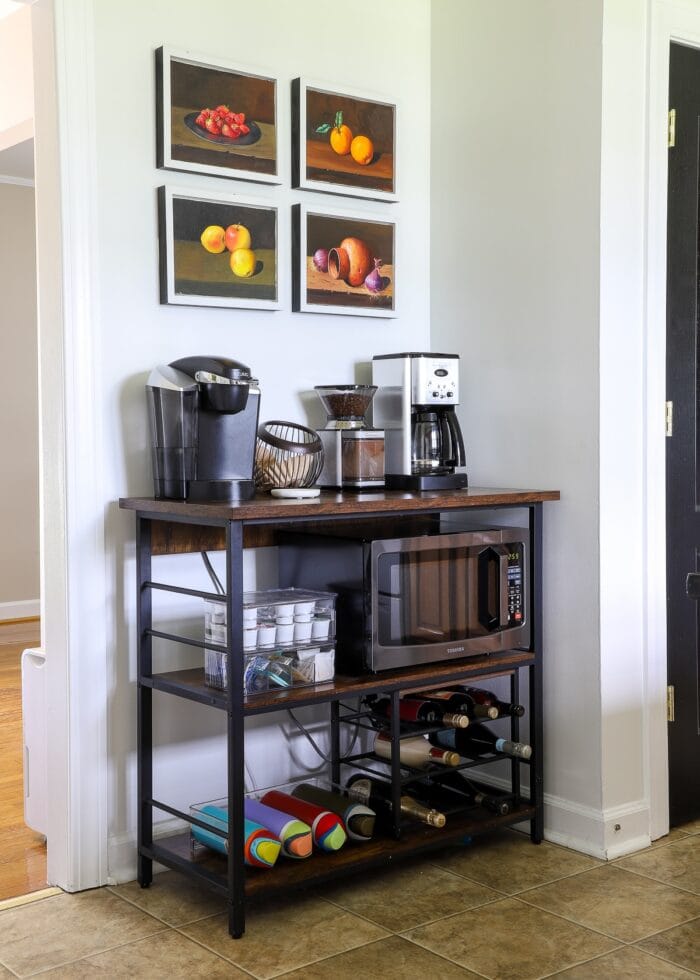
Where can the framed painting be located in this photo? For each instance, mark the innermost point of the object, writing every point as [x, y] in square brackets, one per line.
[214, 118]
[343, 262]
[343, 142]
[217, 250]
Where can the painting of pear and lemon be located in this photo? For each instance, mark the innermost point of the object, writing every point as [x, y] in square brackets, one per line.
[217, 252]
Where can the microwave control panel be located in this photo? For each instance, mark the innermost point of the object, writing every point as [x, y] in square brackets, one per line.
[516, 599]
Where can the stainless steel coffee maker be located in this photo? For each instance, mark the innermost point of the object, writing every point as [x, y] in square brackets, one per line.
[415, 405]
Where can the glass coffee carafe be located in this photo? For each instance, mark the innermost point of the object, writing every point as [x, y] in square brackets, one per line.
[436, 442]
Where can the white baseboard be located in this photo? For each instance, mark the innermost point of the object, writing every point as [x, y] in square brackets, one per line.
[588, 830]
[23, 609]
[123, 855]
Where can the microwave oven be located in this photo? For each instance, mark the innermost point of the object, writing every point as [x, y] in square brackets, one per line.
[442, 594]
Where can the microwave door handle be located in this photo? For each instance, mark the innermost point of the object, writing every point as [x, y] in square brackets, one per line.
[457, 440]
[504, 615]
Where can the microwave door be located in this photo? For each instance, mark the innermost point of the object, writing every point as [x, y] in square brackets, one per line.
[423, 597]
[427, 590]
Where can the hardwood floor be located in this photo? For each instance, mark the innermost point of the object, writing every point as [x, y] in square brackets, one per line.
[22, 851]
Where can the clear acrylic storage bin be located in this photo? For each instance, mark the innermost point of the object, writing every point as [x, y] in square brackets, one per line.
[288, 639]
[274, 671]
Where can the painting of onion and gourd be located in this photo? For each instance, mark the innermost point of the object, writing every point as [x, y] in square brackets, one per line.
[344, 262]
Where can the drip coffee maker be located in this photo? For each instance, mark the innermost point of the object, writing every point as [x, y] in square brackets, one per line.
[353, 451]
[415, 404]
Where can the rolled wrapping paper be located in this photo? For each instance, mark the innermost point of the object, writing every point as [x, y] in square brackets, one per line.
[358, 818]
[260, 849]
[327, 828]
[295, 835]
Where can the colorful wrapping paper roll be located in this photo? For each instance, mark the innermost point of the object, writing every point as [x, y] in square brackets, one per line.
[295, 835]
[358, 818]
[261, 848]
[327, 828]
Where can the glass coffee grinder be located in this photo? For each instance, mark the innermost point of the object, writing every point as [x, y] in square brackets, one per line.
[353, 451]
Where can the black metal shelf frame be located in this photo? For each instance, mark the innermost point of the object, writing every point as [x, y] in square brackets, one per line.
[234, 703]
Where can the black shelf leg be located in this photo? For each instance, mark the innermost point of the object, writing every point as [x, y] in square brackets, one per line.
[515, 735]
[144, 708]
[394, 729]
[335, 743]
[236, 729]
[536, 688]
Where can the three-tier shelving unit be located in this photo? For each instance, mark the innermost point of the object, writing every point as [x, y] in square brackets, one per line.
[167, 527]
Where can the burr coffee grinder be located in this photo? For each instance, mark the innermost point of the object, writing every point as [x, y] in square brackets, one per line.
[353, 451]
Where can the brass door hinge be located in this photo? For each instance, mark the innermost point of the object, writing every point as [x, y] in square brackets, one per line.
[669, 418]
[671, 127]
[670, 703]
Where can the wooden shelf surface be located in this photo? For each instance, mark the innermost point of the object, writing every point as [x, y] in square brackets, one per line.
[353, 857]
[330, 504]
[190, 683]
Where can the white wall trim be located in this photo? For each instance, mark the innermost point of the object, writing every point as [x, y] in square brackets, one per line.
[22, 609]
[583, 828]
[670, 20]
[20, 181]
[74, 593]
[123, 851]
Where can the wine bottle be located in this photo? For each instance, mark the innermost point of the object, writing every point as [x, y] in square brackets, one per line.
[458, 791]
[419, 711]
[377, 794]
[458, 701]
[479, 740]
[484, 697]
[416, 751]
[358, 819]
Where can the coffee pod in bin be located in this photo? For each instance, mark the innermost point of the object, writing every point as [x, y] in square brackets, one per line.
[288, 459]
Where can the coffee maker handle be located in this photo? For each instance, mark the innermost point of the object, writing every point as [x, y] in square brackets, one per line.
[457, 440]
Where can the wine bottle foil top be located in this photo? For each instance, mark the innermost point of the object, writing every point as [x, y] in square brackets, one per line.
[485, 711]
[360, 826]
[436, 819]
[455, 721]
[519, 750]
[360, 790]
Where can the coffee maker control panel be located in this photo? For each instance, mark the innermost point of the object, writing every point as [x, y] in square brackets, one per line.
[435, 381]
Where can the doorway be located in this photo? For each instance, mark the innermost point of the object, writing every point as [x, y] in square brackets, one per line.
[22, 849]
[683, 434]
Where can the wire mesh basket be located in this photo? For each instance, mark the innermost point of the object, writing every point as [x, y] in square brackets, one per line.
[288, 456]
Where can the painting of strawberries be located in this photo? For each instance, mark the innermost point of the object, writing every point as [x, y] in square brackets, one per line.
[214, 118]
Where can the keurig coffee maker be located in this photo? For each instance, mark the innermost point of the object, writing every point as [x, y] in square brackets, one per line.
[204, 421]
[415, 405]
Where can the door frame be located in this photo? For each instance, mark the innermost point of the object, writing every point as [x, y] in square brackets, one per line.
[670, 20]
[75, 602]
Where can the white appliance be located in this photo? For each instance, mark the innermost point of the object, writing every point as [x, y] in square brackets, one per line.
[34, 739]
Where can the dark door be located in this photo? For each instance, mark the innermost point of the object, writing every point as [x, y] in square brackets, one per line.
[682, 444]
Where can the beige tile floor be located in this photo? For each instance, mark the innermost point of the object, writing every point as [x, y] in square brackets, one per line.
[499, 908]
